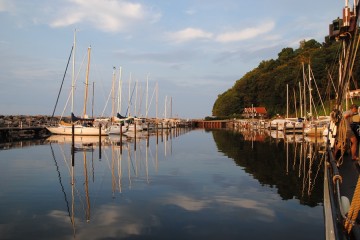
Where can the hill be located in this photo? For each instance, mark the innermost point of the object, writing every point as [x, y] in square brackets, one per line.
[266, 84]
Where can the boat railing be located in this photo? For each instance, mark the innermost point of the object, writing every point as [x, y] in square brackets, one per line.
[337, 180]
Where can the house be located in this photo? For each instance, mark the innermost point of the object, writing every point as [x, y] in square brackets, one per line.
[256, 112]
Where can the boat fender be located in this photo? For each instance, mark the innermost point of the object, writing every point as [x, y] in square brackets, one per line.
[345, 204]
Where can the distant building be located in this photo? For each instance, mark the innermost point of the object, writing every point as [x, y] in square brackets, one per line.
[257, 112]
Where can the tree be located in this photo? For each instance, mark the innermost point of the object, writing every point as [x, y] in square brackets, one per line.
[265, 85]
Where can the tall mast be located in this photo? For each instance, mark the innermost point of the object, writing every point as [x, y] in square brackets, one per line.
[310, 92]
[287, 100]
[119, 91]
[87, 82]
[157, 100]
[136, 96]
[165, 107]
[73, 76]
[301, 106]
[170, 107]
[113, 93]
[304, 91]
[147, 96]
[129, 98]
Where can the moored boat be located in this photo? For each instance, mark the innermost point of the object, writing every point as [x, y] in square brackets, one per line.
[341, 172]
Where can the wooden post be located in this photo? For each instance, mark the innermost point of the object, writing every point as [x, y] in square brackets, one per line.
[100, 141]
[72, 144]
[157, 132]
[135, 134]
[294, 131]
[148, 133]
[121, 134]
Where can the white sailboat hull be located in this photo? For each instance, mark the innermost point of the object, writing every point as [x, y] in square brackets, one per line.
[78, 130]
[115, 129]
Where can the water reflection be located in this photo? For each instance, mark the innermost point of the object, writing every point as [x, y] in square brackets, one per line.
[161, 187]
[127, 159]
[291, 164]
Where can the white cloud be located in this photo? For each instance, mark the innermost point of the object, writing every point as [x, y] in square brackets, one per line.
[246, 33]
[189, 34]
[109, 15]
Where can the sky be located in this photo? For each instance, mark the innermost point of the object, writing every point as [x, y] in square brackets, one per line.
[191, 50]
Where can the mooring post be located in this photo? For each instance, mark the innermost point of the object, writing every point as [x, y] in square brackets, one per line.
[100, 141]
[121, 137]
[72, 144]
[294, 130]
[157, 132]
[148, 133]
[135, 135]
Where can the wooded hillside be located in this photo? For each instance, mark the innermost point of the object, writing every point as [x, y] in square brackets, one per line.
[266, 85]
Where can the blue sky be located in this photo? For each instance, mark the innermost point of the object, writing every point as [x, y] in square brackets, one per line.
[194, 50]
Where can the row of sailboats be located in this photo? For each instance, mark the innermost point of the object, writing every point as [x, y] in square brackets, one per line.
[308, 124]
[117, 124]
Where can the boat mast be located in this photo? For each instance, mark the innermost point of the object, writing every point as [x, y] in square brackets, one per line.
[87, 83]
[147, 96]
[301, 106]
[113, 93]
[157, 100]
[73, 76]
[170, 107]
[287, 100]
[129, 97]
[310, 97]
[136, 97]
[165, 106]
[304, 91]
[119, 91]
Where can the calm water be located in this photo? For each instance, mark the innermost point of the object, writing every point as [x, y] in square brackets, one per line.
[190, 185]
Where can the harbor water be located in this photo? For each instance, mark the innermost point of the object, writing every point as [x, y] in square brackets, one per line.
[188, 184]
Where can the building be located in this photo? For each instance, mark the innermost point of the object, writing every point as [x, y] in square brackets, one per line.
[256, 112]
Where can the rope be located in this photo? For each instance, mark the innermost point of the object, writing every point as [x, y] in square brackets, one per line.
[354, 208]
[341, 140]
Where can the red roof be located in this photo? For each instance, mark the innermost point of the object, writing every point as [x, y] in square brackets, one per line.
[260, 110]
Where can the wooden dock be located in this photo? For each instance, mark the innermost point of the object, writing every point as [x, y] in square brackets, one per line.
[213, 124]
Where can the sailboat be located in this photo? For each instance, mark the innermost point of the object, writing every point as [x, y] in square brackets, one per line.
[341, 173]
[288, 125]
[315, 125]
[79, 126]
[117, 122]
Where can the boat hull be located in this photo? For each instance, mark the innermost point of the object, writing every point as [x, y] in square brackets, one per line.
[78, 130]
[115, 129]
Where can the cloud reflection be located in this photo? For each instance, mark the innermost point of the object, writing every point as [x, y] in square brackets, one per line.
[193, 204]
[108, 221]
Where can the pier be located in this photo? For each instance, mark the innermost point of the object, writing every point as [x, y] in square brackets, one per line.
[213, 124]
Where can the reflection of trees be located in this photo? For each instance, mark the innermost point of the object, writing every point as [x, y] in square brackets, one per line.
[270, 164]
